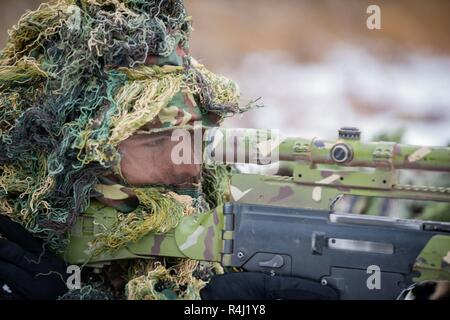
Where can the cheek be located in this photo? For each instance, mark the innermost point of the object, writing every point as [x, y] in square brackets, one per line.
[184, 173]
[170, 173]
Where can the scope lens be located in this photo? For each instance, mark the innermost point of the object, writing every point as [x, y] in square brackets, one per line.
[340, 153]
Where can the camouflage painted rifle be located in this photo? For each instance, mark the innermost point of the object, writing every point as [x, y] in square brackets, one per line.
[283, 222]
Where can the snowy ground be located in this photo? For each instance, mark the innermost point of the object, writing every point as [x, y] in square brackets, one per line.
[350, 87]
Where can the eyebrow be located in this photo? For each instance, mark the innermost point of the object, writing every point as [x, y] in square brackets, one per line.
[153, 142]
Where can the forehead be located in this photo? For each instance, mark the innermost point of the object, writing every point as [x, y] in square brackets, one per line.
[148, 139]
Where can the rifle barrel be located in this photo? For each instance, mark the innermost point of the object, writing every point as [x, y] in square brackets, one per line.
[230, 145]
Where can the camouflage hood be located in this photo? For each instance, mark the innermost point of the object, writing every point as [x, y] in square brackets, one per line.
[77, 77]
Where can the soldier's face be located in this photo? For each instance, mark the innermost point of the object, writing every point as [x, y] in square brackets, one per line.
[146, 159]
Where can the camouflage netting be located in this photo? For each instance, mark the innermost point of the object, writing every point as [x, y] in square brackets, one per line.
[181, 280]
[77, 77]
[158, 211]
[88, 292]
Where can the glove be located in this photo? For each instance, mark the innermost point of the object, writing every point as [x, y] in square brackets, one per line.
[259, 286]
[27, 270]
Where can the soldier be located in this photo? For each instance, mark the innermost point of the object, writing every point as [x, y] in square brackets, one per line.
[88, 101]
[94, 94]
[90, 92]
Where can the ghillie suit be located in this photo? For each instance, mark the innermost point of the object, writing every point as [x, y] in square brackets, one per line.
[77, 77]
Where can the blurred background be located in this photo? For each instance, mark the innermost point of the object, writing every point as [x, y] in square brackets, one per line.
[317, 67]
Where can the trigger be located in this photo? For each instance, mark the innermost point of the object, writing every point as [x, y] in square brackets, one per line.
[276, 262]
